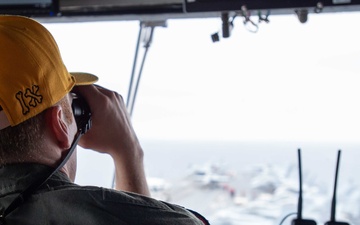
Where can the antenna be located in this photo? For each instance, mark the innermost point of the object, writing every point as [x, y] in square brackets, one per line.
[299, 220]
[299, 212]
[333, 202]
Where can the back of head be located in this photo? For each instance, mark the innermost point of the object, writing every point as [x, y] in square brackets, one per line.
[33, 78]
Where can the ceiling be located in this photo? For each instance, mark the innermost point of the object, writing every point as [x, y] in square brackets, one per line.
[153, 10]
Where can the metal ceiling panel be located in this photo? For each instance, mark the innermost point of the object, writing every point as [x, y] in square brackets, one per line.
[95, 10]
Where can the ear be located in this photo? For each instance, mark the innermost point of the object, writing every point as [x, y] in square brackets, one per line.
[58, 127]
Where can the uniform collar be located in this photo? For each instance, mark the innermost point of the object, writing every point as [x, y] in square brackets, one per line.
[17, 177]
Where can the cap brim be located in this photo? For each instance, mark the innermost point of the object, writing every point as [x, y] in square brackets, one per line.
[84, 78]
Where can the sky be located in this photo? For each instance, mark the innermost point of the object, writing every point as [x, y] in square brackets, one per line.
[288, 81]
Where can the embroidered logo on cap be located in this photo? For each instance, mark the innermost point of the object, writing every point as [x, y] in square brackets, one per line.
[30, 98]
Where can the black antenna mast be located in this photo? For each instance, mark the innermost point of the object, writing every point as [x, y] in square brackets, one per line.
[333, 202]
[299, 220]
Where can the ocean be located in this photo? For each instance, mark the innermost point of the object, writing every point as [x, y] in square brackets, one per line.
[171, 159]
[259, 172]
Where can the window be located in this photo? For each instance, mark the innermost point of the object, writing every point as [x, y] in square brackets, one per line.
[220, 123]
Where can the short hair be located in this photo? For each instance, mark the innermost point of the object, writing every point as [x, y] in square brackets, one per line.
[23, 142]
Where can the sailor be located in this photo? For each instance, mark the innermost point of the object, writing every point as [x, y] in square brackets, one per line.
[43, 118]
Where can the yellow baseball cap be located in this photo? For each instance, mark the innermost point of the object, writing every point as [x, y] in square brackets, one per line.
[33, 76]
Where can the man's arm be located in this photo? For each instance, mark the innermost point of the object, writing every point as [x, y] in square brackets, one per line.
[112, 133]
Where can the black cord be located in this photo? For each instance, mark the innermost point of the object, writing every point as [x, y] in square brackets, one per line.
[20, 199]
[290, 214]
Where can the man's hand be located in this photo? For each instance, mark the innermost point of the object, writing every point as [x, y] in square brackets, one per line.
[112, 133]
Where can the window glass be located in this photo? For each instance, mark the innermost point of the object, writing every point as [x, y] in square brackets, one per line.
[221, 123]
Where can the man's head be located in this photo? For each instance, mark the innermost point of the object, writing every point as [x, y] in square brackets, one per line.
[33, 79]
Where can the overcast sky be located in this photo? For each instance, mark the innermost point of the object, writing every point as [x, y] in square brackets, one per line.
[289, 81]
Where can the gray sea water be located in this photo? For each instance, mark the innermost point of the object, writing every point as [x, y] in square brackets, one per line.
[172, 161]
